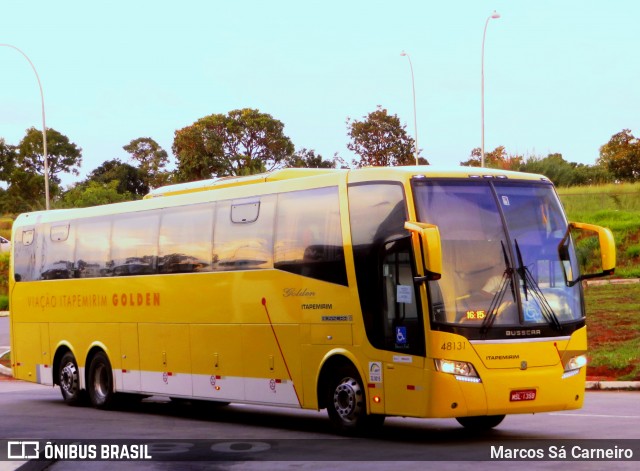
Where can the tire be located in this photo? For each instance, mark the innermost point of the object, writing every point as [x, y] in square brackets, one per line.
[346, 404]
[100, 383]
[69, 380]
[481, 422]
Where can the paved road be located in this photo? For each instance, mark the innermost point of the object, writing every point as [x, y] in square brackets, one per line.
[37, 412]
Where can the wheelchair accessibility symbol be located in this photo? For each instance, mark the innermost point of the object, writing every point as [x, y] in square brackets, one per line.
[401, 335]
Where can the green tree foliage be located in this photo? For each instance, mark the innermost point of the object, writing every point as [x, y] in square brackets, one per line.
[497, 158]
[242, 142]
[25, 192]
[307, 158]
[8, 158]
[131, 181]
[152, 160]
[62, 154]
[563, 173]
[380, 140]
[93, 193]
[621, 156]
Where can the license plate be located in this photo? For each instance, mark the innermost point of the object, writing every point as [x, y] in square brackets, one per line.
[523, 395]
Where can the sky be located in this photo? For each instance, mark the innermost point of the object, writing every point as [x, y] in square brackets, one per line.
[560, 76]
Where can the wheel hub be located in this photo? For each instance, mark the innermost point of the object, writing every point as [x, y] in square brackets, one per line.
[347, 399]
[69, 378]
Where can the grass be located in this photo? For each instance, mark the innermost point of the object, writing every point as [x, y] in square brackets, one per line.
[5, 227]
[616, 207]
[613, 331]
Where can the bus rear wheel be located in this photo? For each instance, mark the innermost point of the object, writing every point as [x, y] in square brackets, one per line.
[69, 380]
[100, 384]
[481, 422]
[346, 404]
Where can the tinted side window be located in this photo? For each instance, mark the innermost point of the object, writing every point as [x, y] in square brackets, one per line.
[24, 252]
[134, 248]
[309, 235]
[243, 235]
[186, 234]
[58, 248]
[93, 238]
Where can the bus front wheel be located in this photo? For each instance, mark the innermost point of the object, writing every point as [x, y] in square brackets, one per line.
[346, 404]
[100, 384]
[481, 422]
[69, 380]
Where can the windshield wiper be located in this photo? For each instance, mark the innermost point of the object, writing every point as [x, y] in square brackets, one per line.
[530, 284]
[498, 297]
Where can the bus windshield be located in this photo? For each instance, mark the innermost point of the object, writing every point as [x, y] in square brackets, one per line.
[500, 260]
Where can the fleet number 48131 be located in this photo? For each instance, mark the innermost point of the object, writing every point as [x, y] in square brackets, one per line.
[453, 345]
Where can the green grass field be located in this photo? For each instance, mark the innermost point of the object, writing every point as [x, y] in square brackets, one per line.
[616, 207]
[613, 331]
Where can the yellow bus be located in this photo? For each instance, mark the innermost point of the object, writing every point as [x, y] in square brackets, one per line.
[406, 291]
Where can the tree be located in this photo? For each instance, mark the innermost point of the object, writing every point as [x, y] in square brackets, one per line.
[93, 193]
[497, 158]
[8, 158]
[152, 160]
[243, 142]
[621, 156]
[25, 192]
[62, 155]
[380, 140]
[308, 159]
[131, 180]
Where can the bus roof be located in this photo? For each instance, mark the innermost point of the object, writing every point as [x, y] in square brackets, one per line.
[237, 187]
[362, 174]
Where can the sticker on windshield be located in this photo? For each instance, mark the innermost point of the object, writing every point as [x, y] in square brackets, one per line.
[532, 312]
[505, 200]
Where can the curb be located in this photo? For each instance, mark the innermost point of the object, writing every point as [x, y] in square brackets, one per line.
[4, 313]
[613, 385]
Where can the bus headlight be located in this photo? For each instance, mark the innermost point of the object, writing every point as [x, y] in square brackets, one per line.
[572, 367]
[462, 370]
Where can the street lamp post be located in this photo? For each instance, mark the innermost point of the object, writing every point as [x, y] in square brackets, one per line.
[44, 127]
[415, 119]
[494, 15]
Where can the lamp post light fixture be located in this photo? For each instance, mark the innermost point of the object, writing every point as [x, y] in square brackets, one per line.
[415, 119]
[495, 15]
[44, 127]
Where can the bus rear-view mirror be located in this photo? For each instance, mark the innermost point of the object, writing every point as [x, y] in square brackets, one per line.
[427, 246]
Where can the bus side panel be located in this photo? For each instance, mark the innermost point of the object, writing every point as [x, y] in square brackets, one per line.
[165, 359]
[46, 372]
[271, 357]
[26, 351]
[216, 356]
[129, 377]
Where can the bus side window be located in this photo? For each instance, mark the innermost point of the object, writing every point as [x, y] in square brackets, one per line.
[309, 235]
[58, 250]
[93, 240]
[134, 247]
[186, 235]
[243, 234]
[24, 255]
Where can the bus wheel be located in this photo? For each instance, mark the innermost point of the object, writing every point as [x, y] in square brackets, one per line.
[346, 404]
[100, 383]
[69, 379]
[481, 422]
